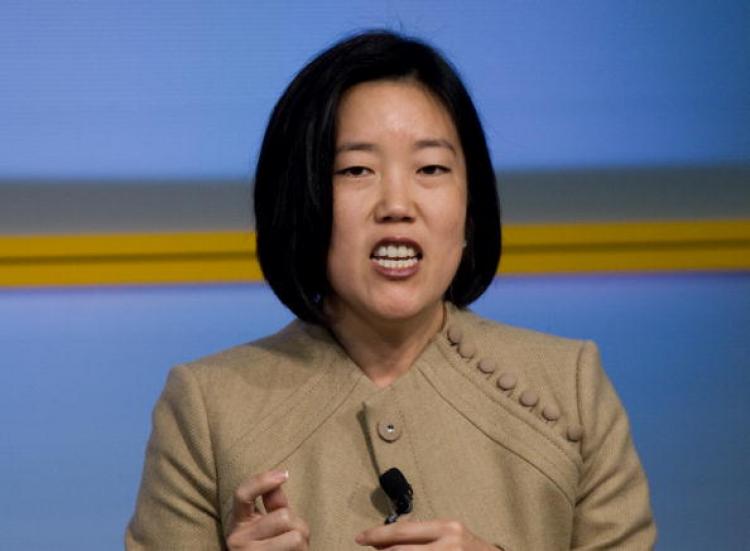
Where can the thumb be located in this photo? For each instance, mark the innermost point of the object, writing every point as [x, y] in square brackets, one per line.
[275, 499]
[252, 488]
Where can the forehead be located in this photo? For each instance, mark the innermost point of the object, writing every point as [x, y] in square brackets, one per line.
[403, 107]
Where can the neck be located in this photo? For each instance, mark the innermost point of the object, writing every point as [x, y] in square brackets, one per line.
[385, 349]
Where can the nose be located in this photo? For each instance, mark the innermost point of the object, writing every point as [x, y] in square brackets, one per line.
[395, 202]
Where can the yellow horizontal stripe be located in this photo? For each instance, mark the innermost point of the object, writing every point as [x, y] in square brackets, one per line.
[628, 260]
[131, 272]
[623, 233]
[146, 244]
[38, 260]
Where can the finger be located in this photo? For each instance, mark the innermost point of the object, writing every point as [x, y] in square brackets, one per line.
[271, 525]
[405, 532]
[252, 488]
[275, 499]
[288, 541]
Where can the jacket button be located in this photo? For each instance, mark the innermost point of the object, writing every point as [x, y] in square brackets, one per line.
[575, 433]
[455, 334]
[487, 366]
[528, 398]
[551, 412]
[507, 381]
[467, 350]
[389, 431]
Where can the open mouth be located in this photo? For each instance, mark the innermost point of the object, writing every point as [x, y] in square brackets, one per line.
[396, 254]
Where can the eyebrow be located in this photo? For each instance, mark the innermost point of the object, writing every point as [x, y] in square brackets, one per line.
[420, 144]
[355, 146]
[439, 142]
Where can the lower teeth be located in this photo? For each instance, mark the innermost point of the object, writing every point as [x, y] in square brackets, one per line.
[397, 264]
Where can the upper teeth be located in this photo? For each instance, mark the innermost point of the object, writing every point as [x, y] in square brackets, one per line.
[395, 251]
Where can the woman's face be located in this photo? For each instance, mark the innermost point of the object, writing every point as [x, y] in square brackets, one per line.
[399, 203]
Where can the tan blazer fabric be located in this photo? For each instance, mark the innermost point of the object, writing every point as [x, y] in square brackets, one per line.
[517, 434]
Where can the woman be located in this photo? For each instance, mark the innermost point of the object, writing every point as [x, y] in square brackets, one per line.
[377, 224]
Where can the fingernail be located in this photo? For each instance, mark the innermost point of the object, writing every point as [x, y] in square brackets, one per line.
[359, 538]
[281, 475]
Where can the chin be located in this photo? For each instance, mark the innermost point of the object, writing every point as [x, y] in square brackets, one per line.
[404, 309]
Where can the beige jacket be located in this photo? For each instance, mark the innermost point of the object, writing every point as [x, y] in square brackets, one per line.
[517, 434]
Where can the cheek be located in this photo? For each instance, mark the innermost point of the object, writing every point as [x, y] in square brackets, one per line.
[455, 230]
[453, 218]
[344, 225]
[342, 252]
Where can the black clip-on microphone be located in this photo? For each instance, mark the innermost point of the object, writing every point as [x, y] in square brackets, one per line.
[398, 490]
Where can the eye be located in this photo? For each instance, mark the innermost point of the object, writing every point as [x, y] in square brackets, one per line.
[353, 171]
[434, 170]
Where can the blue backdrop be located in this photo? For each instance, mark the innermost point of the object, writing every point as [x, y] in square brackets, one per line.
[81, 370]
[162, 89]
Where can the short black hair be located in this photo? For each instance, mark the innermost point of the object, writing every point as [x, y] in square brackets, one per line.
[293, 181]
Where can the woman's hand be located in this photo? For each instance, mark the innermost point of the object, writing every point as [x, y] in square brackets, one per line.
[278, 529]
[448, 535]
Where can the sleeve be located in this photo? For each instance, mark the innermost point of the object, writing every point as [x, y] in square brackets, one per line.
[612, 507]
[177, 506]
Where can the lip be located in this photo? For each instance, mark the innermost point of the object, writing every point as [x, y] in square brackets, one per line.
[397, 273]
